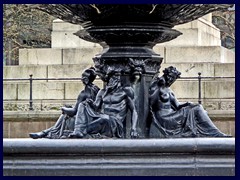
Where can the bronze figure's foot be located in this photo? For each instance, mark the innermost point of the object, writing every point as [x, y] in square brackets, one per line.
[223, 135]
[37, 135]
[76, 135]
[63, 137]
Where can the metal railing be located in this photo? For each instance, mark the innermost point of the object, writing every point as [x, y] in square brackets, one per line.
[31, 79]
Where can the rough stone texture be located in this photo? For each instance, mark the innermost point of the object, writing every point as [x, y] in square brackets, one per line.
[23, 71]
[73, 89]
[200, 32]
[80, 56]
[6, 130]
[63, 37]
[227, 127]
[40, 56]
[219, 89]
[194, 37]
[10, 91]
[207, 54]
[152, 157]
[180, 90]
[35, 121]
[224, 70]
[48, 90]
[192, 69]
[67, 71]
[227, 105]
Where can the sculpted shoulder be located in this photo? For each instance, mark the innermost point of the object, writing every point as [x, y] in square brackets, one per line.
[129, 91]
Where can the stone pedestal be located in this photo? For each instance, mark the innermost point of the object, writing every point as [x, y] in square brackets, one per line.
[111, 157]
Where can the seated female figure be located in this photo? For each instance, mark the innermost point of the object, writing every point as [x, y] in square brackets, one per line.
[172, 119]
[65, 123]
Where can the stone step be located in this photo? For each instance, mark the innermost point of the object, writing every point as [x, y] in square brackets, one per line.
[200, 32]
[69, 90]
[75, 70]
[56, 104]
[48, 56]
[62, 36]
[19, 124]
[195, 54]
[194, 37]
[125, 157]
[84, 55]
[44, 90]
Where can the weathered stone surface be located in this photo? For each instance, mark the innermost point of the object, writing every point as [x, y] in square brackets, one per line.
[81, 56]
[224, 70]
[219, 89]
[200, 32]
[191, 54]
[40, 56]
[10, 91]
[225, 126]
[192, 69]
[48, 90]
[50, 116]
[185, 89]
[63, 37]
[227, 105]
[6, 131]
[67, 71]
[109, 157]
[23, 71]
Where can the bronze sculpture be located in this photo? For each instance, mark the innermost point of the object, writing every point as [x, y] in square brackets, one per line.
[106, 115]
[172, 119]
[127, 40]
[65, 123]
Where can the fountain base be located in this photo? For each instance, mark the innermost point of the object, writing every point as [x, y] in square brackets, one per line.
[111, 157]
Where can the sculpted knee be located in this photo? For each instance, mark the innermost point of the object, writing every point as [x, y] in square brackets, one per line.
[80, 107]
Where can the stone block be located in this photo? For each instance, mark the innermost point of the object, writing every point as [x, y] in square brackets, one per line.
[192, 69]
[63, 37]
[23, 71]
[219, 89]
[60, 25]
[194, 37]
[68, 40]
[66, 71]
[207, 39]
[185, 89]
[22, 129]
[40, 56]
[227, 56]
[81, 55]
[226, 127]
[224, 69]
[202, 25]
[48, 90]
[10, 91]
[199, 32]
[160, 50]
[72, 90]
[6, 127]
[51, 106]
[203, 54]
[227, 105]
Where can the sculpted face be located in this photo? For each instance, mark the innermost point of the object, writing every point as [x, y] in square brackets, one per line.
[170, 78]
[113, 81]
[85, 78]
